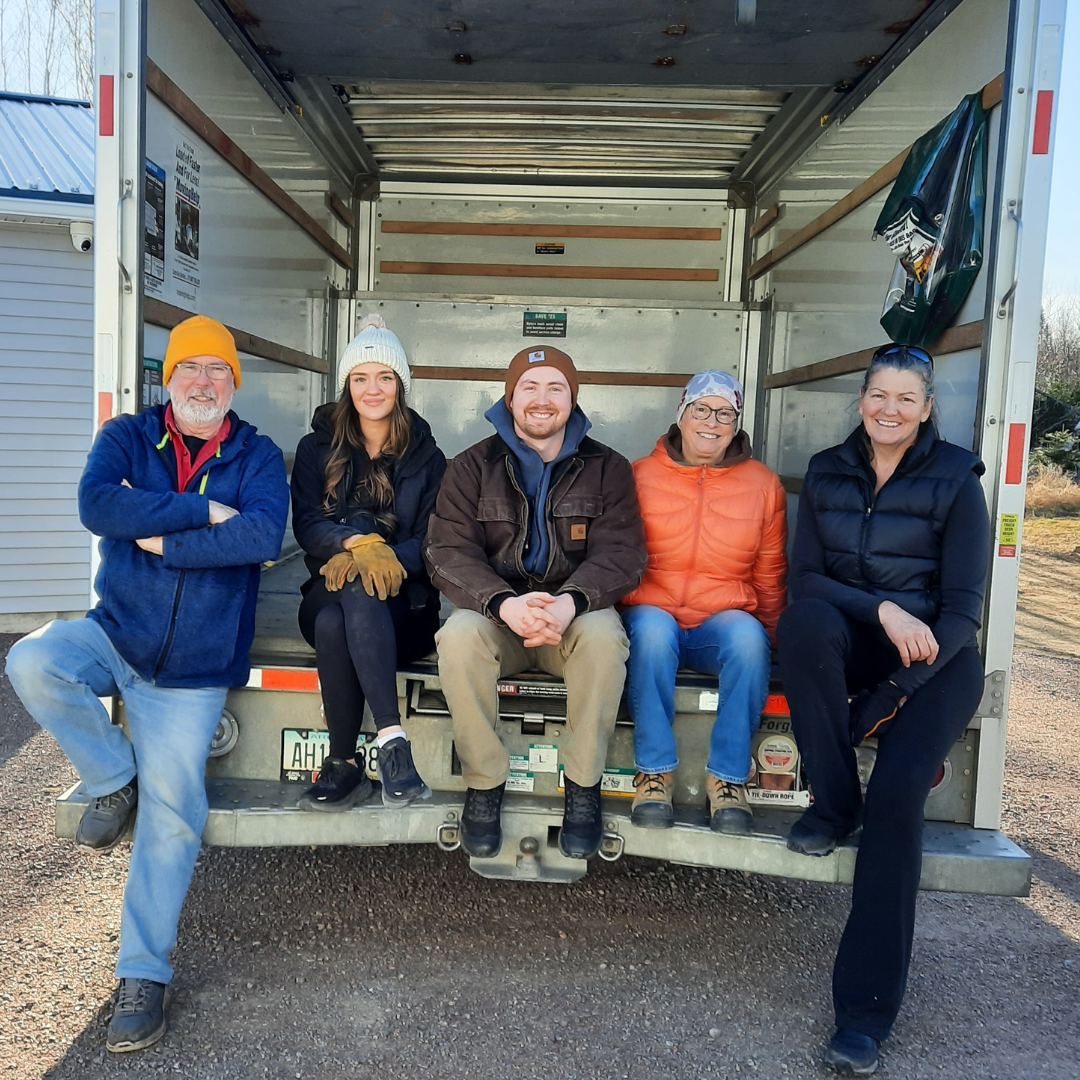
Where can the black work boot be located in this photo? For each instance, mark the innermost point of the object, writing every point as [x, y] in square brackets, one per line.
[401, 783]
[139, 1017]
[481, 830]
[582, 823]
[104, 820]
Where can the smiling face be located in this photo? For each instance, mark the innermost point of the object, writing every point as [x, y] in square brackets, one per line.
[892, 407]
[374, 389]
[704, 441]
[541, 403]
[201, 397]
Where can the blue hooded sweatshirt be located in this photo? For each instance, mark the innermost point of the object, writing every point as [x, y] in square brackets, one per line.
[535, 476]
[185, 618]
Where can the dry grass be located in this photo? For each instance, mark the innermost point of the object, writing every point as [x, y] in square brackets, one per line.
[1050, 492]
[1055, 534]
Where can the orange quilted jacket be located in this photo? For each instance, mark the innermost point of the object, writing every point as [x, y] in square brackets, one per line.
[715, 535]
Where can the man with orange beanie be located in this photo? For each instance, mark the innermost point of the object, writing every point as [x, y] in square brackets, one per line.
[535, 537]
[188, 500]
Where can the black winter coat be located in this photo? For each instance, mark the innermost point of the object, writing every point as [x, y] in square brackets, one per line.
[415, 478]
[890, 545]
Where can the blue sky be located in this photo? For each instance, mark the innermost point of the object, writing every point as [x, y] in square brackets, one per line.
[1063, 240]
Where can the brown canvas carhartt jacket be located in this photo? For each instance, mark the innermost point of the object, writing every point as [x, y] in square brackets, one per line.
[476, 535]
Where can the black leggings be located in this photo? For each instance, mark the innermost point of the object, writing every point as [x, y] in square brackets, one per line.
[359, 641]
[824, 655]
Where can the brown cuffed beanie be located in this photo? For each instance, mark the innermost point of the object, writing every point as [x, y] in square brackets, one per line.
[545, 356]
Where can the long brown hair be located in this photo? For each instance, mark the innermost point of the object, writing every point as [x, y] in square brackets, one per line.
[348, 436]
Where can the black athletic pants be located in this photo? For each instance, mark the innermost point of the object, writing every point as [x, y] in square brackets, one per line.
[824, 656]
[359, 641]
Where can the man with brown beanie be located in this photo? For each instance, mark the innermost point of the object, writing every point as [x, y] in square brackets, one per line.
[188, 501]
[535, 537]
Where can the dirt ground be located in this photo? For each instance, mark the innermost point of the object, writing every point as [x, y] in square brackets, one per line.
[1048, 607]
[334, 963]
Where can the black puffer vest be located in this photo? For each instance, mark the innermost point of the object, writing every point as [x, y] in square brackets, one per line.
[888, 545]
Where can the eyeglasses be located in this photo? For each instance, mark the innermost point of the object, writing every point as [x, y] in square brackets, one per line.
[700, 411]
[913, 351]
[216, 372]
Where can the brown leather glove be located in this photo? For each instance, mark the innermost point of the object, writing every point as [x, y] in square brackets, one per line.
[378, 566]
[338, 570]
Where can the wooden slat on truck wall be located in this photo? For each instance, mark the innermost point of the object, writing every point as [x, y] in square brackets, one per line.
[158, 83]
[955, 339]
[595, 378]
[521, 270]
[589, 232]
[991, 96]
[158, 313]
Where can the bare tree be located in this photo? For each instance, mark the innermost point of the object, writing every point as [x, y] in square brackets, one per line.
[47, 47]
[1059, 341]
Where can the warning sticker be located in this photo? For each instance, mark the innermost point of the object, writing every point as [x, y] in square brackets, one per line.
[1008, 535]
[519, 763]
[543, 757]
[550, 248]
[708, 700]
[613, 782]
[518, 781]
[543, 324]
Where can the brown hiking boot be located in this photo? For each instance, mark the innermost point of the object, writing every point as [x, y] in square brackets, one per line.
[652, 801]
[728, 809]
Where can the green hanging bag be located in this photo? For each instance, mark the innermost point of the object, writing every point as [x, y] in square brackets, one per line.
[933, 221]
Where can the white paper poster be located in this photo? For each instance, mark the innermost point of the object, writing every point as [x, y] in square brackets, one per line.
[187, 174]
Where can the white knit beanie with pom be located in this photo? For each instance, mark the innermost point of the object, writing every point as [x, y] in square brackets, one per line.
[374, 344]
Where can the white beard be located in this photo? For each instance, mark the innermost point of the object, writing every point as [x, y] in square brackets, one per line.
[198, 413]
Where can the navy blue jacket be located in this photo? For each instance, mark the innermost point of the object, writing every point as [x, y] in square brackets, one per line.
[185, 618]
[922, 542]
[415, 479]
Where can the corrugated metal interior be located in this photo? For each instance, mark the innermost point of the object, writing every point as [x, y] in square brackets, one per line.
[46, 383]
[46, 148]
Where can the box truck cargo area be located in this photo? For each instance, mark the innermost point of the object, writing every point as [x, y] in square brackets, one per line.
[654, 196]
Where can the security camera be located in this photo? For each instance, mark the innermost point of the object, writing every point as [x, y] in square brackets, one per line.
[82, 235]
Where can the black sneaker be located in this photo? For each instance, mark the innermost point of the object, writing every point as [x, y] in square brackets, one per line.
[851, 1053]
[481, 830]
[583, 825]
[104, 820]
[809, 837]
[340, 786]
[139, 1017]
[401, 783]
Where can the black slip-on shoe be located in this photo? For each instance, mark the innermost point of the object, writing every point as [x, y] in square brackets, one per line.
[851, 1053]
[481, 829]
[105, 819]
[583, 825]
[401, 783]
[808, 837]
[340, 786]
[138, 1020]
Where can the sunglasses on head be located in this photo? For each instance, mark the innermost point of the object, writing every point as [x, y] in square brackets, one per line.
[913, 351]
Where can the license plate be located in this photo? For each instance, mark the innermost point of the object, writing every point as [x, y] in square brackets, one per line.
[613, 782]
[303, 751]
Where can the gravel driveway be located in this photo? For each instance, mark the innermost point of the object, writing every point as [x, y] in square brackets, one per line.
[337, 963]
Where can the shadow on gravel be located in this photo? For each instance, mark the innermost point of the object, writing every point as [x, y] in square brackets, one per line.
[402, 963]
[16, 727]
[1054, 872]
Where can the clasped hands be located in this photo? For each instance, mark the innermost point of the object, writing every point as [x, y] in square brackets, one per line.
[370, 558]
[538, 618]
[219, 514]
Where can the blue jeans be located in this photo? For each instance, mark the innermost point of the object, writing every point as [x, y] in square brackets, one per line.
[731, 642]
[59, 672]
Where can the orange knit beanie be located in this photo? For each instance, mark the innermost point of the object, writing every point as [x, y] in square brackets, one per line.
[200, 336]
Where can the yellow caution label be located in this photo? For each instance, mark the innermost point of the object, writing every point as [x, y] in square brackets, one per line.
[1008, 535]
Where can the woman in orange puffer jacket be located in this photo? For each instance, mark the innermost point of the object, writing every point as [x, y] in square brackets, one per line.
[715, 530]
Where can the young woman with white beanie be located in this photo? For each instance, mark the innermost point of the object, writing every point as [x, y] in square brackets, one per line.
[363, 485]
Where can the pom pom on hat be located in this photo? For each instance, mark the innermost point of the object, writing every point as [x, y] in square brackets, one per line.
[374, 343]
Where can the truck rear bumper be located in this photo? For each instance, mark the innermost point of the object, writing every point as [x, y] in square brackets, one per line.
[257, 813]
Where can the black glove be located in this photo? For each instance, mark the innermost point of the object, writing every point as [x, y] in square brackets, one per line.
[873, 710]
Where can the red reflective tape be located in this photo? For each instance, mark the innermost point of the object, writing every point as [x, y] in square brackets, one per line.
[282, 679]
[104, 406]
[776, 705]
[1044, 108]
[105, 105]
[1014, 462]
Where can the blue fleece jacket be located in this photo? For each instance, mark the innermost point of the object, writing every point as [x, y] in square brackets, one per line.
[185, 618]
[534, 475]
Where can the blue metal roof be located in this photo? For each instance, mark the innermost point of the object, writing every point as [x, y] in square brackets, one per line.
[46, 148]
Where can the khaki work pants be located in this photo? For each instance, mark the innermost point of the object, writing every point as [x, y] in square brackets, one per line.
[474, 653]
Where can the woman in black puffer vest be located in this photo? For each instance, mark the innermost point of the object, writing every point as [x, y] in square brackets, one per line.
[891, 551]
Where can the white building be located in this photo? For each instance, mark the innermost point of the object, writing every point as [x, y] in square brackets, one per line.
[46, 355]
